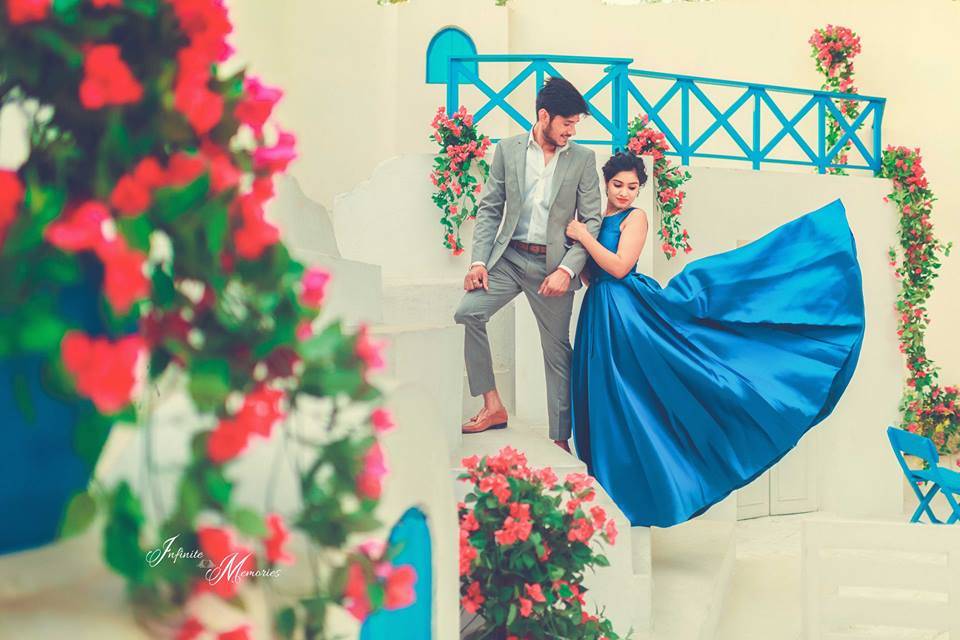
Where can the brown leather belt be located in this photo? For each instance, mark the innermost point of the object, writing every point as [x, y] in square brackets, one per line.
[539, 249]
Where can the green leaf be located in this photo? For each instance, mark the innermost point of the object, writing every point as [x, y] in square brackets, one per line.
[190, 499]
[58, 44]
[512, 614]
[215, 228]
[163, 292]
[146, 8]
[601, 560]
[43, 333]
[218, 487]
[122, 535]
[285, 622]
[89, 436]
[80, 513]
[42, 207]
[249, 522]
[172, 202]
[209, 383]
[136, 230]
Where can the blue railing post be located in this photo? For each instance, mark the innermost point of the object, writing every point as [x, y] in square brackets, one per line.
[684, 149]
[619, 107]
[756, 129]
[877, 142]
[822, 135]
[453, 86]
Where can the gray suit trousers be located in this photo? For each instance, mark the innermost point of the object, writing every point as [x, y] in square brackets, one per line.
[517, 272]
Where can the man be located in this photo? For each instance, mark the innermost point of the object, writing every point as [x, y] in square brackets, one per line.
[538, 181]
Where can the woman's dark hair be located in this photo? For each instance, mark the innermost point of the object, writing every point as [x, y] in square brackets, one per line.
[560, 98]
[622, 161]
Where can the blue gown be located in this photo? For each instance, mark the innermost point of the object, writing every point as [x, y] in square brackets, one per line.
[682, 394]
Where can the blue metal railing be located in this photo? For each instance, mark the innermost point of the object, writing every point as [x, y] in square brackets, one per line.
[617, 74]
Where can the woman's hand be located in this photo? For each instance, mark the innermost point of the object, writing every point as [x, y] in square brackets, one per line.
[576, 230]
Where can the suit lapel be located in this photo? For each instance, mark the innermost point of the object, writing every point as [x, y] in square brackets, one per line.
[522, 165]
[563, 163]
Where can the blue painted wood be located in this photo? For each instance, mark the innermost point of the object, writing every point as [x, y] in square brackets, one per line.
[412, 532]
[444, 45]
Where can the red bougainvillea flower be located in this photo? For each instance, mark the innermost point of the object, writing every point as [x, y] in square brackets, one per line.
[223, 173]
[130, 197]
[240, 633]
[202, 107]
[207, 24]
[276, 158]
[278, 537]
[103, 4]
[107, 79]
[526, 607]
[498, 485]
[190, 629]
[580, 531]
[11, 196]
[474, 598]
[183, 168]
[369, 481]
[382, 420]
[255, 234]
[218, 546]
[227, 441]
[81, 228]
[109, 373]
[124, 278]
[314, 283]
[355, 597]
[259, 413]
[257, 103]
[23, 11]
[535, 592]
[398, 588]
[369, 351]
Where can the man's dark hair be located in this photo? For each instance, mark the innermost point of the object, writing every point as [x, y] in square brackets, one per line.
[622, 161]
[560, 98]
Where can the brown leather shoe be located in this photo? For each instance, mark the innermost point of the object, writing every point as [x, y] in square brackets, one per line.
[484, 422]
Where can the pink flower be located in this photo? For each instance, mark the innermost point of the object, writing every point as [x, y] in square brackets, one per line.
[369, 351]
[278, 538]
[498, 485]
[526, 607]
[276, 158]
[190, 629]
[580, 531]
[103, 4]
[398, 588]
[23, 11]
[218, 546]
[382, 420]
[109, 373]
[11, 196]
[611, 531]
[258, 101]
[535, 592]
[129, 196]
[355, 597]
[369, 481]
[474, 598]
[314, 283]
[107, 80]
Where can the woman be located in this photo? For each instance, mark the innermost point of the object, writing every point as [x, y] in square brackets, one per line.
[685, 393]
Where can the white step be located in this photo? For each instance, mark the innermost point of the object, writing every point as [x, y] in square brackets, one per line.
[354, 292]
[692, 569]
[624, 592]
[431, 356]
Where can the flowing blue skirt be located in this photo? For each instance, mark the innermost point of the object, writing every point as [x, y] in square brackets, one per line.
[682, 394]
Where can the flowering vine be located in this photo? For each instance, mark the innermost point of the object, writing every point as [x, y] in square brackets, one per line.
[526, 540]
[643, 141]
[462, 148]
[927, 407]
[833, 49]
[144, 190]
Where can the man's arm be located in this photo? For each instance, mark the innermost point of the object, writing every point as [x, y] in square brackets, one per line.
[588, 208]
[490, 211]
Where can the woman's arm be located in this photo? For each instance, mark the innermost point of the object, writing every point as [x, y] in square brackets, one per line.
[632, 237]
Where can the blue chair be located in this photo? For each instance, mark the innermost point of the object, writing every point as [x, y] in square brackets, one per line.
[941, 479]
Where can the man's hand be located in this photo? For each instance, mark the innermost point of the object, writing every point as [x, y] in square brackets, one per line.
[555, 284]
[476, 278]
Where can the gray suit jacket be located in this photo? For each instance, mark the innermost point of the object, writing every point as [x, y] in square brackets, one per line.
[575, 188]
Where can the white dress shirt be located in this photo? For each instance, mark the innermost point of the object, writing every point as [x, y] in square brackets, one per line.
[538, 183]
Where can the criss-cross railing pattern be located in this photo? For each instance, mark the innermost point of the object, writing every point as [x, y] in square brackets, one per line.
[751, 144]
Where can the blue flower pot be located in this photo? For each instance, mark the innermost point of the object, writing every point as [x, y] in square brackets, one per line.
[41, 470]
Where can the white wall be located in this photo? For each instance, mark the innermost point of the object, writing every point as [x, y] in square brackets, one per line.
[354, 71]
